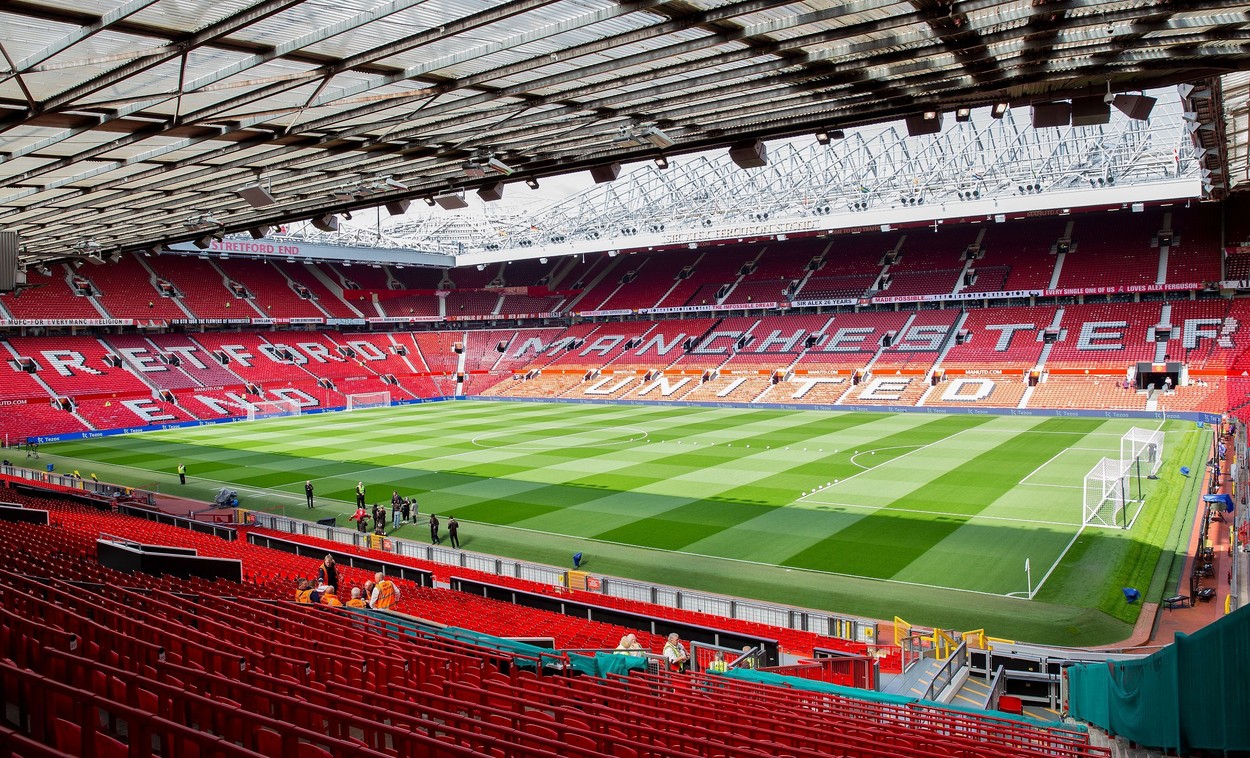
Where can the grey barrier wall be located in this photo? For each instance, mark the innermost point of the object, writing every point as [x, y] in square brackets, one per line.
[156, 560]
[662, 627]
[16, 513]
[852, 628]
[420, 576]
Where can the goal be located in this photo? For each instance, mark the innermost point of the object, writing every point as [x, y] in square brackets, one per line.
[368, 400]
[272, 409]
[1142, 450]
[1106, 492]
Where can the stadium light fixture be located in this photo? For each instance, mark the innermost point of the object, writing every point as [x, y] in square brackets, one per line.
[202, 221]
[823, 138]
[532, 182]
[649, 136]
[661, 162]
[429, 200]
[478, 168]
[999, 110]
[963, 114]
[928, 122]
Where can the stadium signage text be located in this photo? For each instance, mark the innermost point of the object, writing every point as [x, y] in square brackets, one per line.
[67, 322]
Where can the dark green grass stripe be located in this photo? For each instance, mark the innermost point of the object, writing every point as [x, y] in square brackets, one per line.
[886, 541]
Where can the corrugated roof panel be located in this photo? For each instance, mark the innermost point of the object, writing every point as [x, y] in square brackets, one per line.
[182, 15]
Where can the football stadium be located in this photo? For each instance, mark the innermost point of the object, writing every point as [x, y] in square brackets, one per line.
[578, 378]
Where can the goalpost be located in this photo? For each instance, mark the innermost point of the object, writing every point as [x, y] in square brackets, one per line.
[1114, 485]
[368, 400]
[272, 409]
[1106, 492]
[1143, 450]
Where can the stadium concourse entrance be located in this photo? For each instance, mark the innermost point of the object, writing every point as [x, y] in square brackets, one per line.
[1158, 375]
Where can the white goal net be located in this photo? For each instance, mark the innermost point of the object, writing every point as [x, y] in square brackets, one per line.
[1106, 492]
[1142, 450]
[272, 409]
[368, 400]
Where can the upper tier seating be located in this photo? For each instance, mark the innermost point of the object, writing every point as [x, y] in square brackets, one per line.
[1107, 336]
[419, 277]
[126, 291]
[203, 287]
[1023, 247]
[409, 305]
[470, 278]
[272, 292]
[656, 274]
[1237, 266]
[780, 265]
[1108, 253]
[461, 304]
[75, 367]
[996, 339]
[1195, 256]
[350, 277]
[716, 267]
[930, 263]
[521, 305]
[305, 274]
[48, 297]
[530, 272]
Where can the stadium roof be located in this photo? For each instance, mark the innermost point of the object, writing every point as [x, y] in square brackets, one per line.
[131, 123]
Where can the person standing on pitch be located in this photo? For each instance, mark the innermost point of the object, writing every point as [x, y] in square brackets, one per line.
[434, 538]
[182, 473]
[397, 504]
[308, 492]
[452, 527]
[360, 494]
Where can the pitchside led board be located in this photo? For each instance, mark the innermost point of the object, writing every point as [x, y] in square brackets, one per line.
[1158, 374]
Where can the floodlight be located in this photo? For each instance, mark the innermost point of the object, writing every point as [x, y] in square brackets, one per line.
[999, 110]
[661, 162]
[532, 182]
[963, 114]
[823, 138]
[542, 260]
[929, 122]
[429, 200]
[394, 183]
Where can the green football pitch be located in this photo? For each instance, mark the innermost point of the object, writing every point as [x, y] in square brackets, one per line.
[927, 516]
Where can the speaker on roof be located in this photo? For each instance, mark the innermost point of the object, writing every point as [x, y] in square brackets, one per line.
[491, 192]
[1136, 107]
[256, 195]
[929, 122]
[1048, 115]
[749, 154]
[605, 173]
[1090, 111]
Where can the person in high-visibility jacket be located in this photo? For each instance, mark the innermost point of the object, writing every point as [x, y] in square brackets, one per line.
[718, 665]
[329, 598]
[356, 602]
[304, 593]
[385, 593]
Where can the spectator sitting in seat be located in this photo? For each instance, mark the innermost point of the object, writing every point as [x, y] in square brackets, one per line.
[356, 602]
[305, 594]
[328, 597]
[629, 645]
[749, 662]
